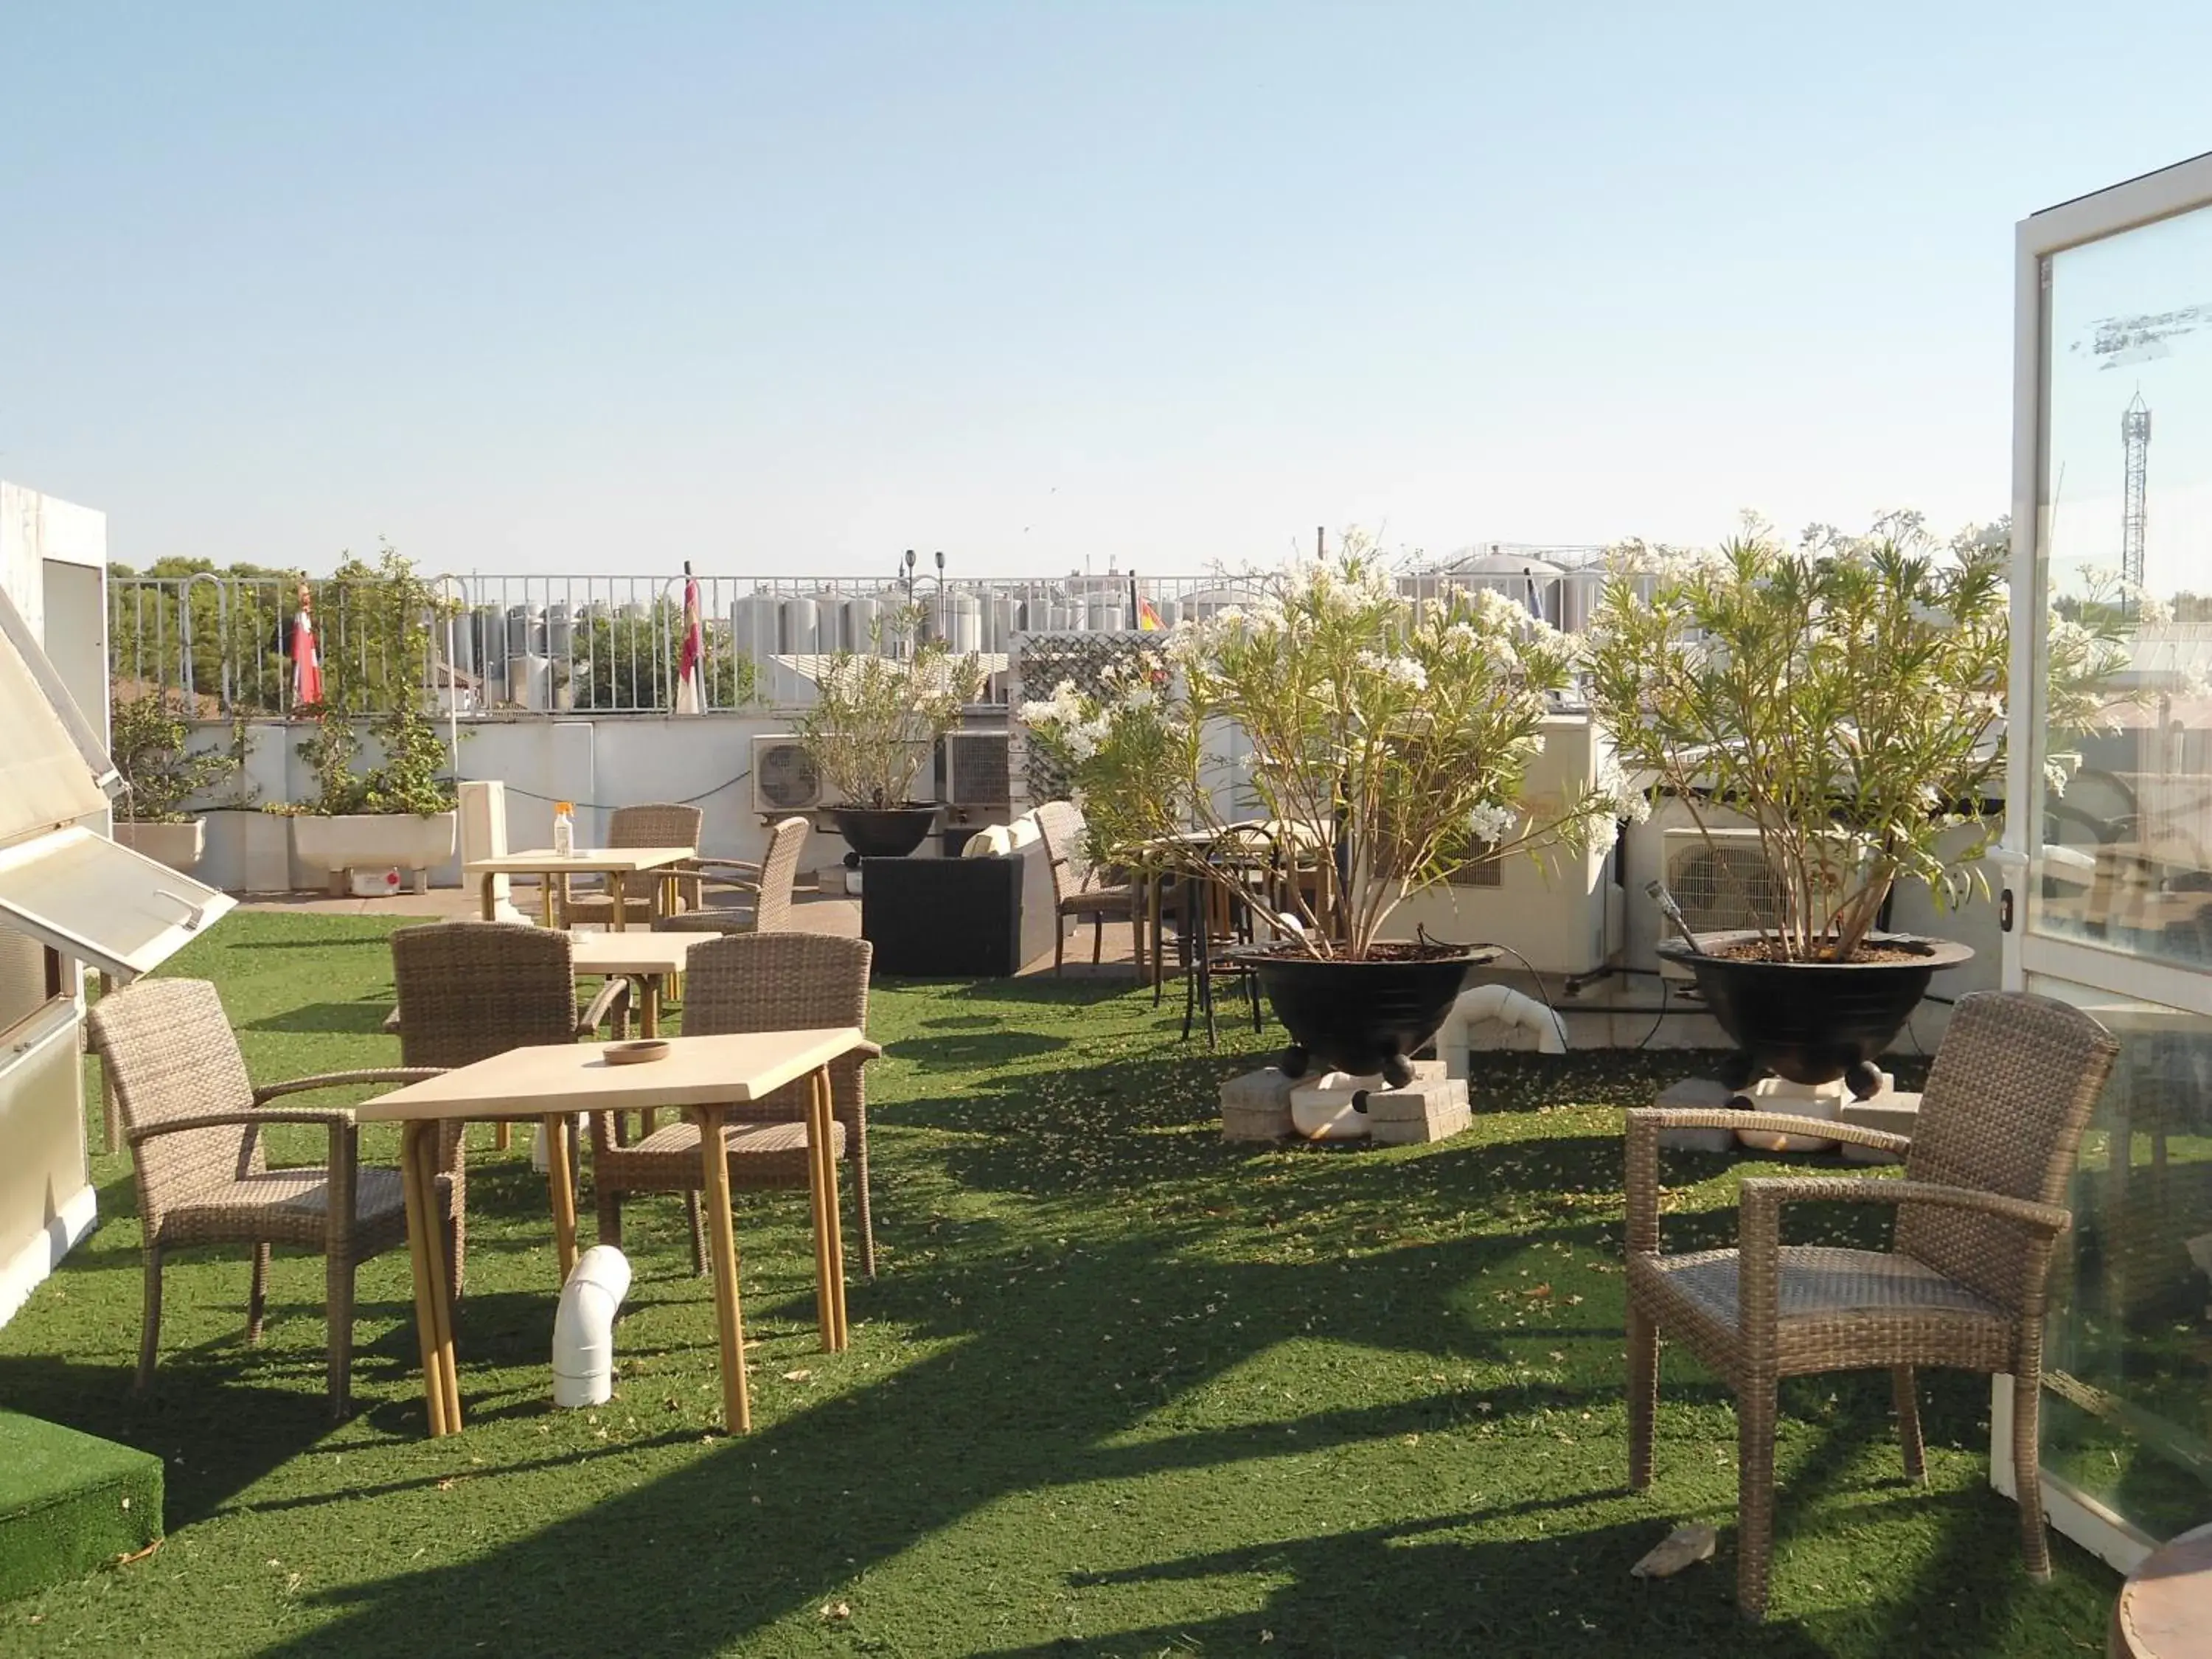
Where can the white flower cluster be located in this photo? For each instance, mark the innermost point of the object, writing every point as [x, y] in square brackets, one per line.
[1403, 672]
[1490, 824]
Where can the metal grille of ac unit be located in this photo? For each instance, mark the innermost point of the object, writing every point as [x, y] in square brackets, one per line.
[976, 770]
[785, 778]
[1721, 887]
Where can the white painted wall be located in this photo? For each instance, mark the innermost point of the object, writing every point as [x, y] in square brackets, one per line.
[53, 560]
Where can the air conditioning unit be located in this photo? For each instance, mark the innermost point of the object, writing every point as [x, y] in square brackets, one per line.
[1722, 883]
[785, 777]
[973, 769]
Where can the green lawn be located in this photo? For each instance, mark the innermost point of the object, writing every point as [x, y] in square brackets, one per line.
[1120, 1389]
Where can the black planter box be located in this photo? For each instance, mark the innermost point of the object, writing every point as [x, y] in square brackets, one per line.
[942, 918]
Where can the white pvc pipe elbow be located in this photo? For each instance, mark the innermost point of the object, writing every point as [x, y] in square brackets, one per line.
[1511, 1007]
[584, 1329]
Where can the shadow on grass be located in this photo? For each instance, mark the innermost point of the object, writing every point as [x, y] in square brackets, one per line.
[355, 1018]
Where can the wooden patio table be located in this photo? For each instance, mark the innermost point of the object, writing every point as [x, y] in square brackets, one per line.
[616, 864]
[650, 958]
[701, 1075]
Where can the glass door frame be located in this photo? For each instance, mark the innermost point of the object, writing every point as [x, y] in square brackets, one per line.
[2106, 213]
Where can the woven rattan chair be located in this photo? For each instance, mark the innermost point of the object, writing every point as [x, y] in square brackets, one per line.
[1977, 1214]
[766, 886]
[659, 824]
[193, 1120]
[1077, 888]
[468, 990]
[756, 982]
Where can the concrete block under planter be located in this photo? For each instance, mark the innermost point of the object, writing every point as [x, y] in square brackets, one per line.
[180, 846]
[1430, 1107]
[1256, 1106]
[371, 840]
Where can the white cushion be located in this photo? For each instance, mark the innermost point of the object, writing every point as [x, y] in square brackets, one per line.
[991, 842]
[1023, 832]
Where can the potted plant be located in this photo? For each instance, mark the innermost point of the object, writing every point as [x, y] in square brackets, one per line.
[1391, 742]
[398, 812]
[151, 746]
[1847, 700]
[875, 723]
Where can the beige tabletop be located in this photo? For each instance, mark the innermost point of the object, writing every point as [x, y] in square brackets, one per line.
[583, 861]
[633, 952]
[575, 1077]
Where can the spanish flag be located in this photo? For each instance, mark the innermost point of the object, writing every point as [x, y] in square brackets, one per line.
[1148, 619]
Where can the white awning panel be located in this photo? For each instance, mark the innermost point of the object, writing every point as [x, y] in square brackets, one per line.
[49, 769]
[102, 903]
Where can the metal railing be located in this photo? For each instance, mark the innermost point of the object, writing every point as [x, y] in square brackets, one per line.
[613, 644]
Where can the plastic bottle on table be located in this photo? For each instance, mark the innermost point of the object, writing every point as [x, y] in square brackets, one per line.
[564, 829]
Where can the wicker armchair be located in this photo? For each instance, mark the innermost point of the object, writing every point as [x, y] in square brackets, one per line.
[1978, 1212]
[193, 1120]
[468, 990]
[1077, 888]
[660, 824]
[768, 885]
[756, 982]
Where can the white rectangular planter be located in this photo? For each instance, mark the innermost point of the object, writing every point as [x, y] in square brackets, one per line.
[246, 851]
[374, 840]
[180, 846]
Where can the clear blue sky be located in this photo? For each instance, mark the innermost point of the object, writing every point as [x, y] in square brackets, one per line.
[538, 287]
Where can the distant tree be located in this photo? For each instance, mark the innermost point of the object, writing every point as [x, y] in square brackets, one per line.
[630, 662]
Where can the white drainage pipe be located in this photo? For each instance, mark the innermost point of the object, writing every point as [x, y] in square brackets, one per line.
[584, 1329]
[1509, 1007]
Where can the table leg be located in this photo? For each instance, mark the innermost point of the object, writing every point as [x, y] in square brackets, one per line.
[722, 1252]
[434, 1313]
[545, 879]
[829, 1240]
[1152, 882]
[649, 1005]
[485, 900]
[561, 1181]
[619, 887]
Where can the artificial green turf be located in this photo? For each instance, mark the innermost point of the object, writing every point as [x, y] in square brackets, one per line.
[69, 1502]
[1120, 1389]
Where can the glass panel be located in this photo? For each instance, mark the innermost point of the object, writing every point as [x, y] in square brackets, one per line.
[2128, 1347]
[101, 903]
[2126, 858]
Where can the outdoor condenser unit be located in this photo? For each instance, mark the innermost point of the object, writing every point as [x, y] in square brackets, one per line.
[785, 777]
[1722, 885]
[973, 769]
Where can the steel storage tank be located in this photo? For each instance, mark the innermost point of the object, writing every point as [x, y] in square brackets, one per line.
[530, 681]
[829, 621]
[1103, 617]
[755, 628]
[558, 638]
[864, 622]
[523, 626]
[1170, 612]
[800, 628]
[963, 622]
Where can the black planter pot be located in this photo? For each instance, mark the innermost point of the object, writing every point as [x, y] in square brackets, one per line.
[1362, 1018]
[883, 832]
[1814, 1022]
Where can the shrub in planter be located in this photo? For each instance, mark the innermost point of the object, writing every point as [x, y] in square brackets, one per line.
[150, 737]
[874, 725]
[1391, 744]
[1847, 698]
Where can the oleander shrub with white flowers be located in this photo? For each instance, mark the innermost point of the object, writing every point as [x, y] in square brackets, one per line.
[1388, 746]
[1847, 698]
[877, 717]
